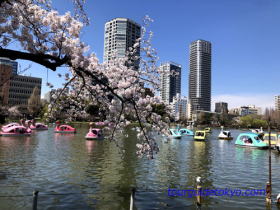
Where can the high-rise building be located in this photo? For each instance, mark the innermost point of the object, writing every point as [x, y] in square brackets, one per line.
[120, 35]
[221, 107]
[277, 103]
[7, 61]
[200, 75]
[170, 81]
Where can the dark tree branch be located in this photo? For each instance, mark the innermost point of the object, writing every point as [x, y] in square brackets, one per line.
[53, 62]
[46, 60]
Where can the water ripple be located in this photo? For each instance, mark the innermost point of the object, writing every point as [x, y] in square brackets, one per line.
[72, 173]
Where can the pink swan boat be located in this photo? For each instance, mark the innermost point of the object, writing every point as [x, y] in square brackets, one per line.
[38, 126]
[100, 123]
[64, 128]
[10, 125]
[16, 130]
[94, 133]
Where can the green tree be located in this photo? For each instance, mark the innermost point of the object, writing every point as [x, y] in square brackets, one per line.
[252, 121]
[34, 103]
[44, 110]
[204, 118]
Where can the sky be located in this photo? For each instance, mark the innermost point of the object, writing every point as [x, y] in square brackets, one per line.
[244, 36]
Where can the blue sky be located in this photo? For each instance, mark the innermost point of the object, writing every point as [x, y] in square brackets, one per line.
[244, 36]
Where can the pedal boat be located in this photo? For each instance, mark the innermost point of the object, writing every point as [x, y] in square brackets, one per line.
[225, 135]
[174, 133]
[100, 123]
[94, 134]
[64, 129]
[207, 130]
[250, 140]
[277, 146]
[16, 130]
[273, 139]
[257, 131]
[38, 126]
[186, 132]
[10, 125]
[200, 135]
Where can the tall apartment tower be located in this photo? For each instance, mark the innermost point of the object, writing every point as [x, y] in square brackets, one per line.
[121, 34]
[277, 103]
[170, 81]
[200, 76]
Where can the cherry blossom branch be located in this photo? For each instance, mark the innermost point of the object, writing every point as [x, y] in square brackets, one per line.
[142, 128]
[53, 40]
[99, 81]
[65, 86]
[118, 121]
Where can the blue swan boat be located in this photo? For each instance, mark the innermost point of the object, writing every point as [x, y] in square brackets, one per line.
[186, 132]
[174, 133]
[250, 140]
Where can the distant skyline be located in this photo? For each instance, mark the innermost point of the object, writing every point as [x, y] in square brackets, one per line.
[243, 33]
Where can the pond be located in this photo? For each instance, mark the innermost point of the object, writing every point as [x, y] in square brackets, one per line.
[72, 173]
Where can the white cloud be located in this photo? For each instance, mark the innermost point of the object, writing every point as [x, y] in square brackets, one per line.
[259, 100]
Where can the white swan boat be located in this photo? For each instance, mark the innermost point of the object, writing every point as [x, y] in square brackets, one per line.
[225, 135]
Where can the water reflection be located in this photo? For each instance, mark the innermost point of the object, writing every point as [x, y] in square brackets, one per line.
[63, 136]
[90, 145]
[101, 174]
[249, 154]
[200, 161]
[112, 184]
[10, 142]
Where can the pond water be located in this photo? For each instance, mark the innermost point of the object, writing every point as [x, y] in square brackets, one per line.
[72, 173]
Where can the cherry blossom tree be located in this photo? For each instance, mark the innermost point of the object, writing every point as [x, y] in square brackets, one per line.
[14, 112]
[53, 40]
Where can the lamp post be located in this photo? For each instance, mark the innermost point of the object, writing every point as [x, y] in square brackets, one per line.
[269, 184]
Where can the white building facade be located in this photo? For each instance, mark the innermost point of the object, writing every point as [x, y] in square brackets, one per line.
[179, 108]
[277, 103]
[119, 38]
[246, 110]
